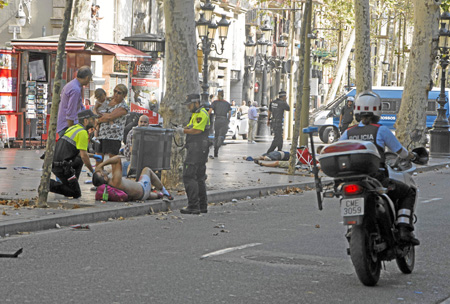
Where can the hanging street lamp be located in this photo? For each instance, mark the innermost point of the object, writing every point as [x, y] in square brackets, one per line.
[207, 28]
[264, 62]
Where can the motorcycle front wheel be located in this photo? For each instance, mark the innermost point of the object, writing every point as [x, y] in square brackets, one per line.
[406, 263]
[363, 254]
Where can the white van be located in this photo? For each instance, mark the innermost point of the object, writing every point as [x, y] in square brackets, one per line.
[326, 118]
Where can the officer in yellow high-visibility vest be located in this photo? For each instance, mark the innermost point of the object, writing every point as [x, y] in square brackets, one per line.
[70, 154]
[197, 147]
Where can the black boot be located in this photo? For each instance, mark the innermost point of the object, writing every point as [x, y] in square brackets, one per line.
[190, 210]
[407, 236]
[203, 208]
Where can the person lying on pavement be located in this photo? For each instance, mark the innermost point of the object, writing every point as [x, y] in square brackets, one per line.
[141, 190]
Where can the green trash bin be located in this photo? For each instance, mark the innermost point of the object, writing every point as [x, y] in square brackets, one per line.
[151, 148]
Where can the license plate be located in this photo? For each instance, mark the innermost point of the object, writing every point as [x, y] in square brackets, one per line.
[352, 206]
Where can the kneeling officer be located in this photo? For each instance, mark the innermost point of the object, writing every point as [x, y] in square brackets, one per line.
[197, 146]
[70, 154]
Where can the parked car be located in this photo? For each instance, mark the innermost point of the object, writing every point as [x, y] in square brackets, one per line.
[238, 124]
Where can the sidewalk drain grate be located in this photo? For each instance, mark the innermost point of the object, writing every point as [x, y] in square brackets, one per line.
[282, 260]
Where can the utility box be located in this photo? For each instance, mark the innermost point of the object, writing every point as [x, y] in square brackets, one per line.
[151, 148]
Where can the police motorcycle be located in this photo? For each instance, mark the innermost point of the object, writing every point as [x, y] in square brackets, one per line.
[367, 210]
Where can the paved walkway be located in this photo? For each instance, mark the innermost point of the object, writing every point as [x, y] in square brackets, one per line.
[230, 177]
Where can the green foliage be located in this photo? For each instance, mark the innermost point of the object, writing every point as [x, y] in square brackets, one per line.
[3, 3]
[445, 5]
[339, 11]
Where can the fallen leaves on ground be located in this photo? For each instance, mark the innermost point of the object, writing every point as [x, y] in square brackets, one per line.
[16, 203]
[293, 190]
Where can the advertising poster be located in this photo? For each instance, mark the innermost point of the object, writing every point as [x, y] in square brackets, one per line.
[8, 82]
[145, 95]
[8, 103]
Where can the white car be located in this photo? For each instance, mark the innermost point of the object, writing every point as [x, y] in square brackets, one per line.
[238, 124]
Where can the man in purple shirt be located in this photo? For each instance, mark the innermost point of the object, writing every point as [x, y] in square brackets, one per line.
[71, 100]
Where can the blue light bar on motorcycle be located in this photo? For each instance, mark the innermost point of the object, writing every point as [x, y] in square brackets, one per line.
[310, 130]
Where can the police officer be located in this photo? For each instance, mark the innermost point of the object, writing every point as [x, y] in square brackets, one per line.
[70, 154]
[222, 113]
[346, 116]
[368, 111]
[197, 147]
[275, 119]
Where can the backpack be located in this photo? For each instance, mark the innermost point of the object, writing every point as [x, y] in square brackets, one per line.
[114, 194]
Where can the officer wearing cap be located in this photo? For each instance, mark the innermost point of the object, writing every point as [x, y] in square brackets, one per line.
[275, 119]
[222, 112]
[70, 154]
[197, 148]
[347, 112]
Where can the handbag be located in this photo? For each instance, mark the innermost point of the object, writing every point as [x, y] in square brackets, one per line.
[109, 193]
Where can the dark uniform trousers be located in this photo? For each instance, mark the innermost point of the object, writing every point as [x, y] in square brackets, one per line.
[400, 193]
[277, 142]
[194, 173]
[220, 131]
[64, 171]
[344, 126]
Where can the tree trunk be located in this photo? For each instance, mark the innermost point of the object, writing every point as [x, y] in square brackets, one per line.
[298, 104]
[342, 64]
[181, 74]
[81, 18]
[418, 82]
[362, 46]
[50, 148]
[304, 116]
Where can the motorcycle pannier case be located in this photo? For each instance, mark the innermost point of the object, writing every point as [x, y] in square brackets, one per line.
[349, 157]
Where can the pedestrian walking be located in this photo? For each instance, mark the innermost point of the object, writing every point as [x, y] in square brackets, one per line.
[346, 117]
[71, 100]
[222, 113]
[197, 148]
[252, 122]
[275, 120]
[71, 154]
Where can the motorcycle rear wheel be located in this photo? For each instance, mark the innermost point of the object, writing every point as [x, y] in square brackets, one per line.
[363, 255]
[406, 263]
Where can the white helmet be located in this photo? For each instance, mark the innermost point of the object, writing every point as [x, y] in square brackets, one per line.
[368, 103]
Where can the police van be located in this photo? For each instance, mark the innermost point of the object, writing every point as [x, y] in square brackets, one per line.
[326, 118]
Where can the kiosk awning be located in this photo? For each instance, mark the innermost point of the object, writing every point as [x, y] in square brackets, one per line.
[122, 52]
[46, 46]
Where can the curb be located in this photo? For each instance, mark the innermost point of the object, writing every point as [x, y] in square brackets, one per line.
[432, 167]
[136, 209]
[117, 210]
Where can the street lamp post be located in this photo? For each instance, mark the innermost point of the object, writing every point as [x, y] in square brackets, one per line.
[440, 134]
[349, 66]
[264, 61]
[207, 27]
